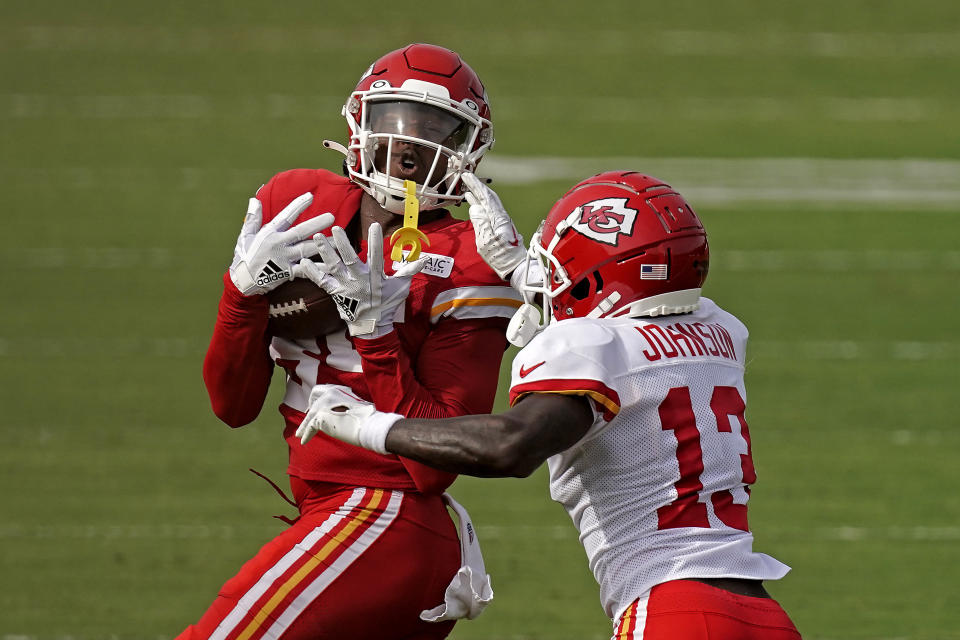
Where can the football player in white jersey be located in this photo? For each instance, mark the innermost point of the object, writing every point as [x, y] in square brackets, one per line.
[631, 389]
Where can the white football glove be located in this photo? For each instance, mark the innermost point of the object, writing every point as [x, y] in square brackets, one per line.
[338, 412]
[264, 256]
[366, 298]
[498, 241]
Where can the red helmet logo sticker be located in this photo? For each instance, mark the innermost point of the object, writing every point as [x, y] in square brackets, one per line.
[604, 220]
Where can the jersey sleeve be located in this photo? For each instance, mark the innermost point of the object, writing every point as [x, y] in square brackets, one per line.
[331, 193]
[455, 372]
[237, 367]
[573, 358]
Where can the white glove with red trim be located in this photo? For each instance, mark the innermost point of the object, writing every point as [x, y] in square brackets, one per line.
[498, 241]
[339, 413]
[264, 256]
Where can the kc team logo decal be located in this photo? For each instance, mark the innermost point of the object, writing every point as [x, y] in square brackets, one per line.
[604, 220]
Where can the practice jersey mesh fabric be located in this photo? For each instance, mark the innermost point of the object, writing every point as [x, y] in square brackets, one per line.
[659, 484]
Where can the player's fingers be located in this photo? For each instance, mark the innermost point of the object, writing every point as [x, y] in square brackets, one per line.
[305, 249]
[474, 187]
[344, 248]
[290, 212]
[307, 228]
[306, 431]
[310, 270]
[251, 222]
[326, 251]
[502, 223]
[375, 248]
[482, 230]
[408, 269]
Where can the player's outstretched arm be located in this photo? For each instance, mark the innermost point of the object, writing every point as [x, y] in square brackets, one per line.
[512, 444]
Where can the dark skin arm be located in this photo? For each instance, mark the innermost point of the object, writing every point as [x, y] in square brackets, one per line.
[513, 443]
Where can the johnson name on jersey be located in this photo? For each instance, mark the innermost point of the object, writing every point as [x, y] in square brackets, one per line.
[669, 447]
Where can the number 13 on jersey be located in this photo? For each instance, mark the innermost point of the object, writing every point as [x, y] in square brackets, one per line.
[677, 415]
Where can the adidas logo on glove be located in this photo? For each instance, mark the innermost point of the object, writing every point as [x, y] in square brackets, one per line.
[271, 273]
[347, 306]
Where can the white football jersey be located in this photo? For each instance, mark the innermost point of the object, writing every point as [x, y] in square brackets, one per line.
[658, 486]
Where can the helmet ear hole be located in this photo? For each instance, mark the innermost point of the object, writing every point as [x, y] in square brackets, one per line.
[580, 290]
[583, 289]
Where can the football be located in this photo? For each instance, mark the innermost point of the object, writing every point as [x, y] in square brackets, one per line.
[300, 309]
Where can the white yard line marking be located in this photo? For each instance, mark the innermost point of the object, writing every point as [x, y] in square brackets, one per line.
[920, 184]
[916, 184]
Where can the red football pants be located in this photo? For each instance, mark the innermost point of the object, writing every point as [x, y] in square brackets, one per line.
[690, 610]
[359, 563]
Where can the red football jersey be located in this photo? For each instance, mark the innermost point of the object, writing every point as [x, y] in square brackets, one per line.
[443, 359]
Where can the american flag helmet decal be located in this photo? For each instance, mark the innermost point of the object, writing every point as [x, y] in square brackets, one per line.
[653, 272]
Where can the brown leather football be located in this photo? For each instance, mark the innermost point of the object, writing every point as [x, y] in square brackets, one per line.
[300, 309]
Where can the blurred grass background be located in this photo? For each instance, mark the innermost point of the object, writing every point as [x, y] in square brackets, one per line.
[817, 141]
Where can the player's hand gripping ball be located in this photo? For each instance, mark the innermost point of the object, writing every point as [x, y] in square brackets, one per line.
[300, 310]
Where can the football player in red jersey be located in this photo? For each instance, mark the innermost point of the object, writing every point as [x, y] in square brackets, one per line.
[632, 390]
[374, 547]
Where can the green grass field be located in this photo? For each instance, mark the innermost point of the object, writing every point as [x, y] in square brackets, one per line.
[816, 140]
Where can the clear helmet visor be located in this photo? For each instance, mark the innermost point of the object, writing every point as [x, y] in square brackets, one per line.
[408, 140]
[419, 121]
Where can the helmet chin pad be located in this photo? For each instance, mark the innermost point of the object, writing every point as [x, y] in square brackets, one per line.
[392, 199]
[664, 304]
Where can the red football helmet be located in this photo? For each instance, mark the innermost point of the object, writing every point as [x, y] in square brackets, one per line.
[620, 244]
[419, 113]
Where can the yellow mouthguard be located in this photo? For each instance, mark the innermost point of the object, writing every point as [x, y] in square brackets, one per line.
[408, 237]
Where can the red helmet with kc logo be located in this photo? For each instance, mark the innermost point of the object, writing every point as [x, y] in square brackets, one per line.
[622, 243]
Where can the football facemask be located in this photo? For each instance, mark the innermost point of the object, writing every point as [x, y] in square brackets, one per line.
[401, 141]
[419, 113]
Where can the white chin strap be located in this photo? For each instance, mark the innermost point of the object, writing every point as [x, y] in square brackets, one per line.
[605, 305]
